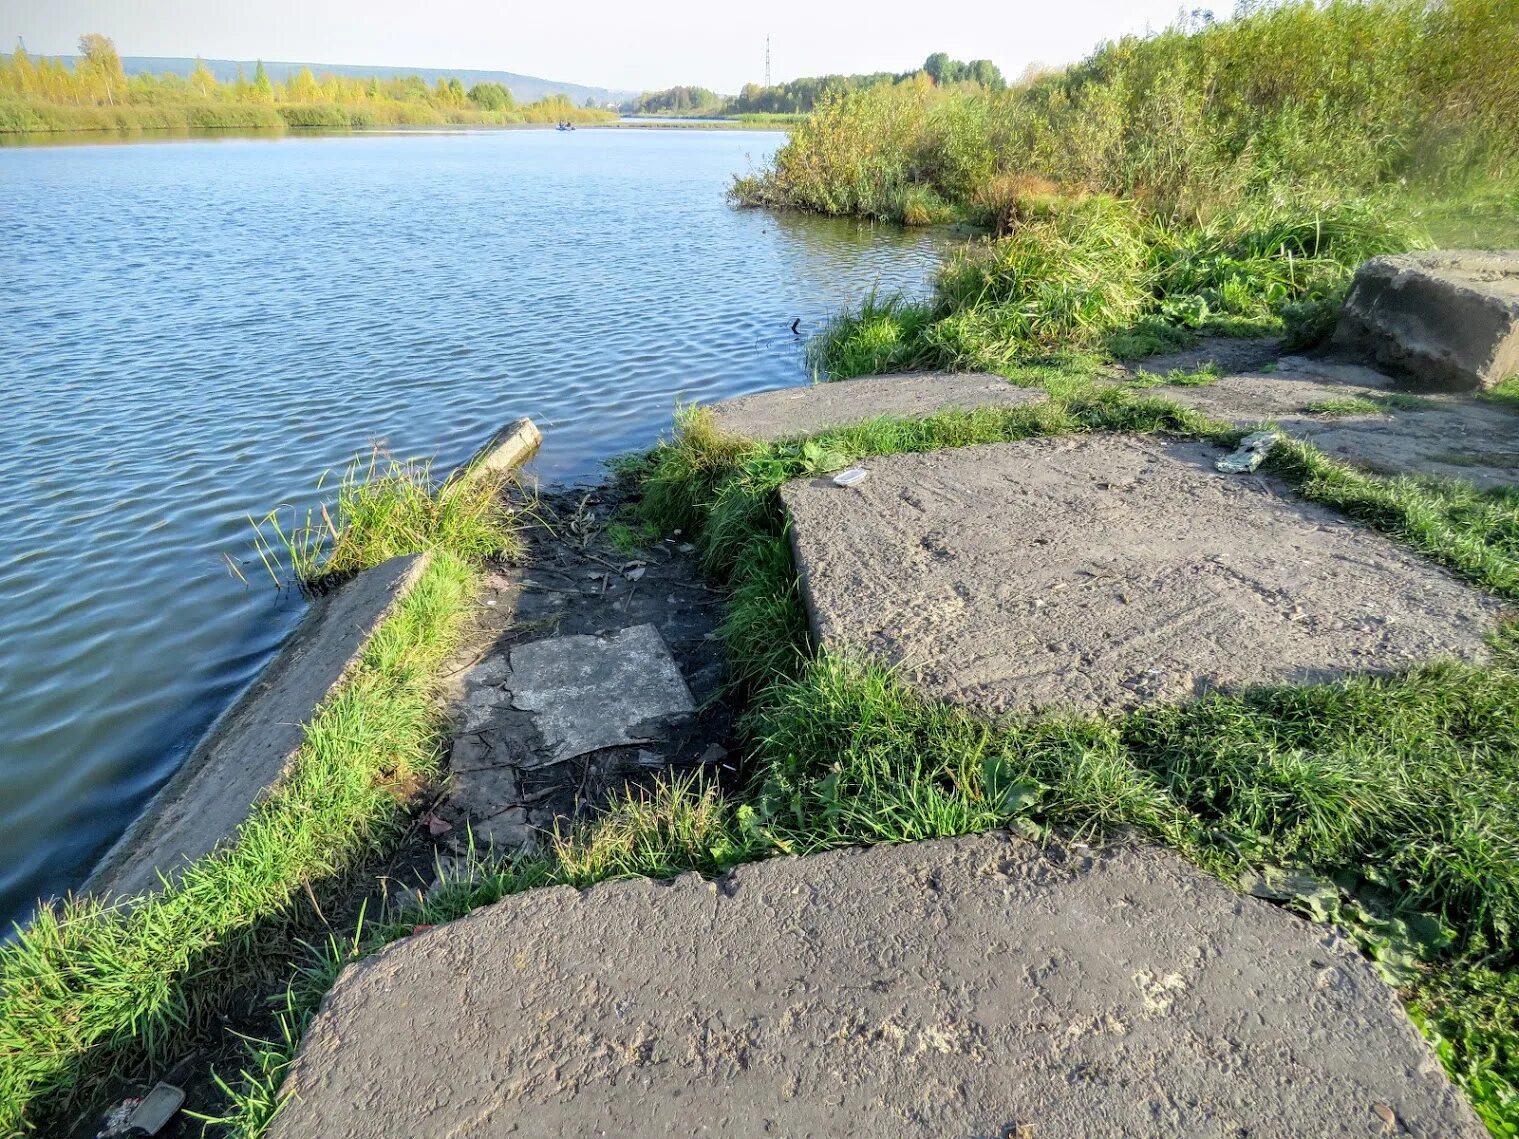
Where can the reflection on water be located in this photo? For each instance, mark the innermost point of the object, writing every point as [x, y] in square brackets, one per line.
[194, 333]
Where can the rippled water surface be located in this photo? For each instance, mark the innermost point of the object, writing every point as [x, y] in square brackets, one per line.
[194, 331]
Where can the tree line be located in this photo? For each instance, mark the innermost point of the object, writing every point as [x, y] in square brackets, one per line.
[40, 93]
[800, 96]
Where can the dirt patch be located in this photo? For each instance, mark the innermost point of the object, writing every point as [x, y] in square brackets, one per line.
[960, 987]
[1108, 571]
[535, 743]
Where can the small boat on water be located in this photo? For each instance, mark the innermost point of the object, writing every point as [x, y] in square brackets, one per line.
[565, 127]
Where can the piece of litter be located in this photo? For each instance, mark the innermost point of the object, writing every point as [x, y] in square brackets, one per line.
[854, 476]
[159, 1106]
[1250, 453]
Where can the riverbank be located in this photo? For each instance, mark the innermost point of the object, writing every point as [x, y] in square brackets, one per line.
[834, 752]
[45, 118]
[829, 751]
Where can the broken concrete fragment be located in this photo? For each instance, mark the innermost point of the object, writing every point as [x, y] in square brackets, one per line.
[592, 692]
[1449, 319]
[958, 987]
[1106, 571]
[791, 412]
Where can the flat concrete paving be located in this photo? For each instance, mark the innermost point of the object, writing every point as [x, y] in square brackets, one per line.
[246, 751]
[1108, 571]
[789, 412]
[963, 987]
[1452, 436]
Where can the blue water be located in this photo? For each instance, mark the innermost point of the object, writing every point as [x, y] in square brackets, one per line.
[195, 331]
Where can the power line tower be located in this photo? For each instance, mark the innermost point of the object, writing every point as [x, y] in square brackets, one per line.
[767, 61]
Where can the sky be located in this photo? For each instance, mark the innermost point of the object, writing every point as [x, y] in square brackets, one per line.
[603, 43]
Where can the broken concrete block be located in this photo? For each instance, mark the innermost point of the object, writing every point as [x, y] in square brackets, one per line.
[1449, 319]
[941, 988]
[791, 412]
[1096, 572]
[590, 693]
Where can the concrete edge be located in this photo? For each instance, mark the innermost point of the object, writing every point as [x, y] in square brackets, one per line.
[503, 452]
[119, 856]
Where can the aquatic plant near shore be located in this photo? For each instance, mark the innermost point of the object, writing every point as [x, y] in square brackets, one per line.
[384, 508]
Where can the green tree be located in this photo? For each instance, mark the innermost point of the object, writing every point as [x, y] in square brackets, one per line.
[201, 78]
[101, 65]
[262, 88]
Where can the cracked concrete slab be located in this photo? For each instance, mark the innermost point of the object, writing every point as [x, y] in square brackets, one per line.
[962, 987]
[1095, 572]
[1427, 433]
[789, 412]
[594, 692]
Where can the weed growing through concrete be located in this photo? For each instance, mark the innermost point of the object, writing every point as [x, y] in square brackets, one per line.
[1344, 405]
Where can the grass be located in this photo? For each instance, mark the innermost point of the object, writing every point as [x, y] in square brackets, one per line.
[1505, 393]
[92, 992]
[1101, 275]
[1344, 405]
[385, 508]
[1370, 403]
[1176, 377]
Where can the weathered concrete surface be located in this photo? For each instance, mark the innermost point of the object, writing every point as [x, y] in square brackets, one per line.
[245, 752]
[962, 987]
[789, 412]
[1435, 433]
[1107, 571]
[1450, 318]
[589, 693]
[506, 450]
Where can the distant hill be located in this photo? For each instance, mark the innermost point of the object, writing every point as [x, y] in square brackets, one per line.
[524, 88]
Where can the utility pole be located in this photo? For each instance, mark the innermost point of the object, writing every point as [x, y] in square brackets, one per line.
[767, 61]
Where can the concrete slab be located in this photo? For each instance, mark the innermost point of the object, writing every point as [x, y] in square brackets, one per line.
[1440, 433]
[1450, 319]
[246, 751]
[589, 693]
[964, 987]
[1107, 571]
[789, 412]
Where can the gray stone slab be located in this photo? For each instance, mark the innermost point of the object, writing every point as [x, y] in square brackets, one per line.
[246, 751]
[1449, 318]
[962, 987]
[1448, 435]
[1107, 571]
[589, 693]
[790, 412]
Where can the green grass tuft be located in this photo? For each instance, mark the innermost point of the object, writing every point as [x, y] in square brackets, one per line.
[385, 508]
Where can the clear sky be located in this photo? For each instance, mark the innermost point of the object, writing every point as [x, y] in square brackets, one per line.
[605, 43]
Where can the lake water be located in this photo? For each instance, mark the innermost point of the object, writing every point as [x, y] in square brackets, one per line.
[194, 331]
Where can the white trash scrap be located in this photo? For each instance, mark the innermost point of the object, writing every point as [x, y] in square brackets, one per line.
[1250, 453]
[852, 477]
